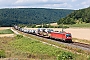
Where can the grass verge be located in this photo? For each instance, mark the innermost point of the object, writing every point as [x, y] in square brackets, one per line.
[81, 40]
[6, 31]
[83, 25]
[30, 48]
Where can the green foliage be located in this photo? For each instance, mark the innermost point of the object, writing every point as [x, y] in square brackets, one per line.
[31, 26]
[49, 26]
[60, 26]
[7, 31]
[45, 26]
[65, 56]
[85, 25]
[30, 48]
[9, 17]
[88, 58]
[39, 26]
[35, 47]
[22, 25]
[2, 54]
[19, 37]
[78, 16]
[66, 20]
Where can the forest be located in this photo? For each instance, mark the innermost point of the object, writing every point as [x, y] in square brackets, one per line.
[11, 16]
[76, 17]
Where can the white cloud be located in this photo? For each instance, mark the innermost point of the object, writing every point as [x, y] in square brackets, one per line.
[85, 4]
[74, 0]
[39, 1]
[4, 3]
[64, 5]
[30, 1]
[75, 4]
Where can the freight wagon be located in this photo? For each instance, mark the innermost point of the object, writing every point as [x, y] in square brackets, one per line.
[48, 33]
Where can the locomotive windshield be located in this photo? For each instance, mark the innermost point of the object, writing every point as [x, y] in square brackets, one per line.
[68, 35]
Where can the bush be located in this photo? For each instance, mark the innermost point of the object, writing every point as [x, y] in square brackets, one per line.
[88, 58]
[65, 56]
[65, 27]
[19, 37]
[2, 54]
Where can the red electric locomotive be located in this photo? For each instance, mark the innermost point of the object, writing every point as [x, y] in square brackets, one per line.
[62, 36]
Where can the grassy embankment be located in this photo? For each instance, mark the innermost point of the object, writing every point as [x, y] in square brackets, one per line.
[23, 47]
[83, 25]
[77, 25]
[6, 31]
[81, 40]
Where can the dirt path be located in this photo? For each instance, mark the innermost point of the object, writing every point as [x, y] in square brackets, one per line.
[3, 28]
[14, 31]
[6, 35]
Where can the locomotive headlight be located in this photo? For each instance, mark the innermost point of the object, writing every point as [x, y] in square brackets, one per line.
[67, 37]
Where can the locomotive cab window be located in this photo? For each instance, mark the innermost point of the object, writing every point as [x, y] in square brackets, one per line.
[68, 35]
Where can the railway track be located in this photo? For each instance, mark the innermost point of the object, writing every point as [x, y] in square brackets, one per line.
[81, 44]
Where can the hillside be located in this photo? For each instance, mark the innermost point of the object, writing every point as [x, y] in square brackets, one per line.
[78, 16]
[9, 17]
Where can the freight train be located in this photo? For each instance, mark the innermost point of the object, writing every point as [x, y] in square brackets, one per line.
[49, 33]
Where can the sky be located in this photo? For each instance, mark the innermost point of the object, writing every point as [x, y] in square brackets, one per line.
[52, 4]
